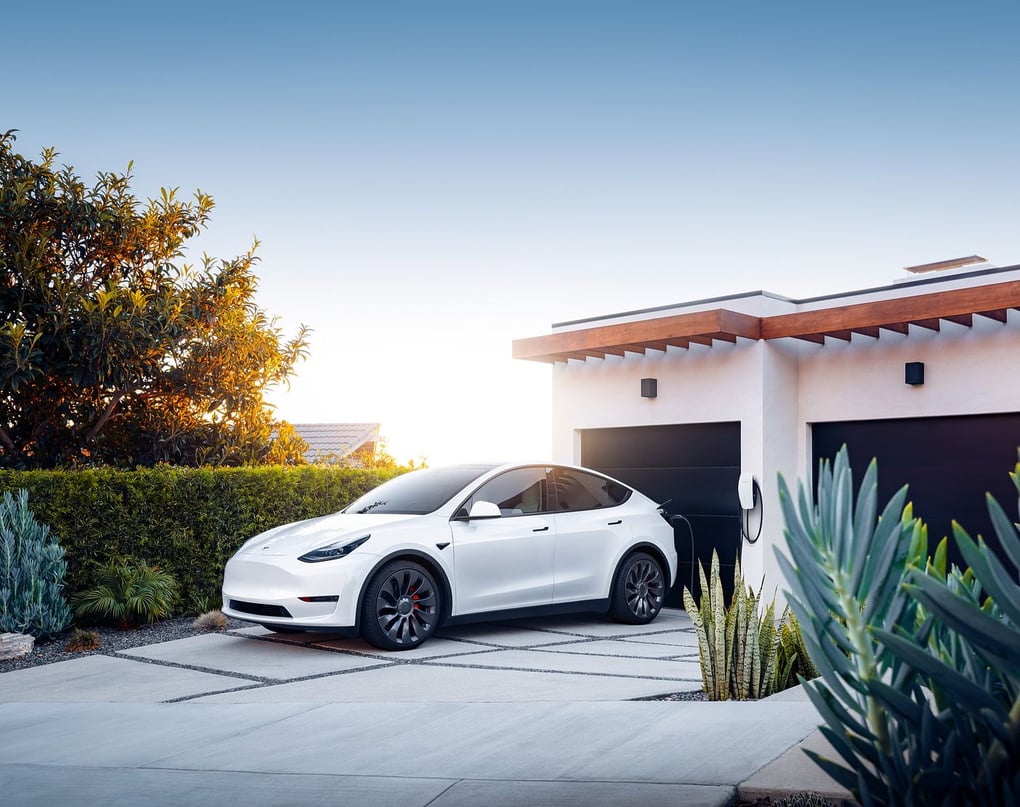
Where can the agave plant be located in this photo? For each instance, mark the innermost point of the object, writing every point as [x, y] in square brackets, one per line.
[919, 665]
[129, 592]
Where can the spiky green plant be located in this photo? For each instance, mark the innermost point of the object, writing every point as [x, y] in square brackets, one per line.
[129, 592]
[210, 621]
[919, 687]
[793, 661]
[32, 571]
[709, 620]
[738, 645]
[82, 641]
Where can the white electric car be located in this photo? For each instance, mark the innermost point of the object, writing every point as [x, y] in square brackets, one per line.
[445, 545]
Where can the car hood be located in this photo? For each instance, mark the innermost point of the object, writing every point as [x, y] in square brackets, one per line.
[303, 536]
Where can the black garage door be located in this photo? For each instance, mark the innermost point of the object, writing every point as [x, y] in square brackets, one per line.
[949, 463]
[694, 465]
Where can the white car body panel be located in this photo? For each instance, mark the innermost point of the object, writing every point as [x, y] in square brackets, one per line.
[588, 548]
[503, 563]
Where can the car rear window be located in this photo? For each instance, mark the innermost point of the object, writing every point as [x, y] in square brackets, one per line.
[417, 492]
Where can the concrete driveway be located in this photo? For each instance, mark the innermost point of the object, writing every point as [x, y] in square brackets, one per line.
[533, 712]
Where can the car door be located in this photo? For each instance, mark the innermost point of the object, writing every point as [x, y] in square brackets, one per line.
[506, 561]
[592, 528]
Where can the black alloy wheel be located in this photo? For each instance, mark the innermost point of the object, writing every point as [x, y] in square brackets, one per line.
[401, 608]
[639, 590]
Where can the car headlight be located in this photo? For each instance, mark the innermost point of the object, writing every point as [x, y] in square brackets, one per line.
[337, 549]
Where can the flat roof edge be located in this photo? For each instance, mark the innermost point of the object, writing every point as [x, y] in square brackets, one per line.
[923, 281]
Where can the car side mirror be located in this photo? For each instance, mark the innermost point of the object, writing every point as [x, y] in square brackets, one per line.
[484, 510]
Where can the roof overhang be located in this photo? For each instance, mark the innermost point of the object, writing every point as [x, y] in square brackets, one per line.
[928, 311]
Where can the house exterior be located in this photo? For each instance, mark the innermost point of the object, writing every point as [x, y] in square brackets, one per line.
[339, 442]
[679, 401]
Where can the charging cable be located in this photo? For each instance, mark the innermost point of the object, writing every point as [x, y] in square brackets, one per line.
[690, 530]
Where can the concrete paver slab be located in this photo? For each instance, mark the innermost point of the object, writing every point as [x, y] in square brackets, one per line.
[301, 637]
[684, 639]
[120, 734]
[471, 793]
[105, 678]
[436, 647]
[503, 635]
[32, 785]
[667, 743]
[619, 647]
[435, 683]
[597, 625]
[795, 766]
[249, 657]
[550, 660]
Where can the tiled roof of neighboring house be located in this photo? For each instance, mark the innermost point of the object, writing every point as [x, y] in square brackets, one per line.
[335, 440]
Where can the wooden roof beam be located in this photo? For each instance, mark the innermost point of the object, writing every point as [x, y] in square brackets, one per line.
[891, 314]
[613, 338]
[999, 314]
[966, 320]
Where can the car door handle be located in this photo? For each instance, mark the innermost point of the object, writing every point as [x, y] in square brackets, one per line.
[614, 523]
[541, 529]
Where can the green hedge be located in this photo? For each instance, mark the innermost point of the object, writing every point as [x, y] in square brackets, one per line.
[188, 521]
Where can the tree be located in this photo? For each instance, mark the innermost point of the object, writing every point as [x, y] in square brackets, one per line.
[112, 350]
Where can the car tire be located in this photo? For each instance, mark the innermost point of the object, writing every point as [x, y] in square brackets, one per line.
[639, 590]
[401, 607]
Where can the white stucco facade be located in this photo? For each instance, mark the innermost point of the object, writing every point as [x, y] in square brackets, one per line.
[777, 388]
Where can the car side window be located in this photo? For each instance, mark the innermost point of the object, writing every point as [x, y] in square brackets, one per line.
[577, 490]
[519, 492]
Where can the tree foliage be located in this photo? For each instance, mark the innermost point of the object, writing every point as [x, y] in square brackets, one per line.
[114, 351]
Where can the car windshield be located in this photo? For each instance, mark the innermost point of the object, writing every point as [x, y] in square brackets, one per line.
[417, 492]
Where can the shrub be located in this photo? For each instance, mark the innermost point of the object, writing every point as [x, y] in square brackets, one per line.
[742, 654]
[919, 692]
[188, 521]
[31, 572]
[83, 640]
[210, 621]
[129, 592]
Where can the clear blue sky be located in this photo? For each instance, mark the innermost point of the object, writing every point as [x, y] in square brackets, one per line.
[433, 179]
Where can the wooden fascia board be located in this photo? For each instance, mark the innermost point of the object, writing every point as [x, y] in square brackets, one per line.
[702, 327]
[951, 305]
[718, 323]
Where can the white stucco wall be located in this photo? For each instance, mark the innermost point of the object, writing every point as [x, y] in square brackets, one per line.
[776, 390]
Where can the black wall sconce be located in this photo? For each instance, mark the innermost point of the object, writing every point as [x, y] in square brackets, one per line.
[649, 387]
[914, 373]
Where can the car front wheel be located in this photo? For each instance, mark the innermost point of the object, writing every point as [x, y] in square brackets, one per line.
[638, 590]
[401, 608]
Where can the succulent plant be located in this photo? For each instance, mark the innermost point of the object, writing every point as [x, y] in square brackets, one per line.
[32, 571]
[920, 665]
[739, 647]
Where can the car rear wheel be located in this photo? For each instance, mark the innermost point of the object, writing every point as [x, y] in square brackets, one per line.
[401, 607]
[638, 590]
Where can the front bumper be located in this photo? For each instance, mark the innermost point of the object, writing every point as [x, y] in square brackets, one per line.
[269, 590]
